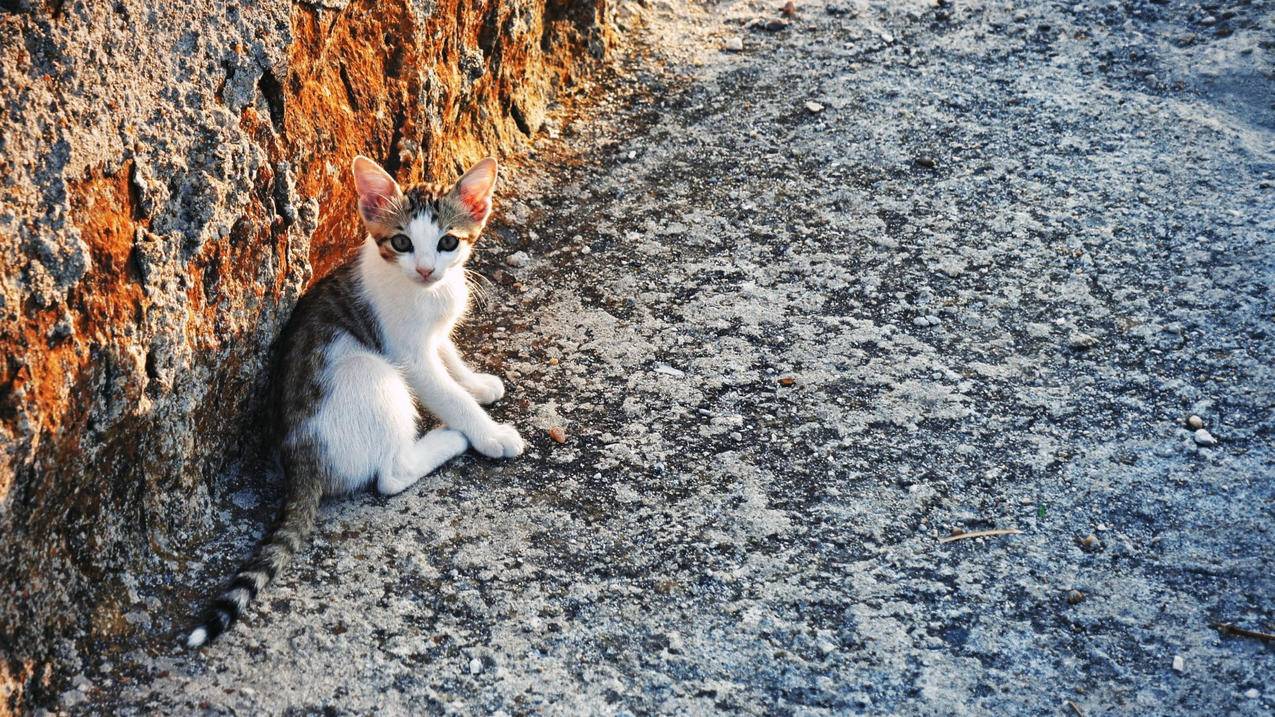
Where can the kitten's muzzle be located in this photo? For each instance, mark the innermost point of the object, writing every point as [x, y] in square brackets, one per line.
[424, 273]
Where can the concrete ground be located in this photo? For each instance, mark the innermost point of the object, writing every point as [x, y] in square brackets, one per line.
[807, 296]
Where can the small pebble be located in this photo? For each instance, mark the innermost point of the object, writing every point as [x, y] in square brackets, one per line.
[518, 259]
[1074, 597]
[558, 434]
[789, 9]
[1202, 437]
[1090, 542]
[475, 666]
[787, 380]
[733, 44]
[814, 108]
[1195, 422]
[926, 161]
[675, 644]
[1080, 341]
[1252, 693]
[1179, 664]
[553, 361]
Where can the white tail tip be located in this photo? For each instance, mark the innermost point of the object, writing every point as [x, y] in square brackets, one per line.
[198, 637]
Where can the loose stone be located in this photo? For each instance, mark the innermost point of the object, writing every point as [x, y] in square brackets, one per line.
[1080, 341]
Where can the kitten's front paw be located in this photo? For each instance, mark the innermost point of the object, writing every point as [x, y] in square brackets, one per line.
[486, 388]
[501, 440]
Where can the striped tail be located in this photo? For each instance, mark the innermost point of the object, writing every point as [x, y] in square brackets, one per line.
[296, 520]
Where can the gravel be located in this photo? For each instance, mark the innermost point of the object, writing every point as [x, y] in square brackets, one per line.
[1203, 438]
[518, 259]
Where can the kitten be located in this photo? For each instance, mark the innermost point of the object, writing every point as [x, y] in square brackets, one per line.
[362, 347]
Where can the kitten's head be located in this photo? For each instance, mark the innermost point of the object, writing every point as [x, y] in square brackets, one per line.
[430, 229]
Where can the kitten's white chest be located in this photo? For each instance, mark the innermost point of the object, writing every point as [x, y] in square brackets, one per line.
[417, 326]
[412, 318]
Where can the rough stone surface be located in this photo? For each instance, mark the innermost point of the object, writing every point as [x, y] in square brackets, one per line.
[713, 539]
[171, 177]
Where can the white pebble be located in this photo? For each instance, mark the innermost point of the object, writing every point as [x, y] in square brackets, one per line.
[814, 107]
[1252, 693]
[1179, 665]
[475, 666]
[670, 371]
[733, 44]
[1195, 422]
[1202, 437]
[675, 644]
[1081, 341]
[518, 259]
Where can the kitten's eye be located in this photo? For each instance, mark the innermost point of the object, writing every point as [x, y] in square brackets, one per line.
[447, 242]
[401, 243]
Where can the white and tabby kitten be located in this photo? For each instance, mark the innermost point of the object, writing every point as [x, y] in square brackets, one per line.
[363, 346]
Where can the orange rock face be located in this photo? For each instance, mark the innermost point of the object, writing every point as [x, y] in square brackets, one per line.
[165, 197]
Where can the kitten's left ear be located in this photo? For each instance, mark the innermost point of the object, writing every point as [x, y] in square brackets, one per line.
[475, 187]
[377, 190]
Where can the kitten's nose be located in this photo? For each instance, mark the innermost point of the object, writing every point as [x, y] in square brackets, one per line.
[425, 273]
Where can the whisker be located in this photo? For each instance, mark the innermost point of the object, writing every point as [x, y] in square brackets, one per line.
[479, 288]
[477, 281]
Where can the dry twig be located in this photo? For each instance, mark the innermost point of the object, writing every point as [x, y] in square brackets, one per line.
[1227, 628]
[1076, 708]
[981, 534]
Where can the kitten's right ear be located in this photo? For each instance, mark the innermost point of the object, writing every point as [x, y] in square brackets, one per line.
[377, 190]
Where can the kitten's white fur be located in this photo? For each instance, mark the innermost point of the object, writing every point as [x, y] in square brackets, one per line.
[367, 423]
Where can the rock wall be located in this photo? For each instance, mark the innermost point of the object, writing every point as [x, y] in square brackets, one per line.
[172, 176]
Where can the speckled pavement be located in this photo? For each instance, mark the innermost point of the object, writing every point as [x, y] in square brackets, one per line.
[804, 305]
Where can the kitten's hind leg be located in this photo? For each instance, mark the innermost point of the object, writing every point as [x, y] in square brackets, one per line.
[420, 458]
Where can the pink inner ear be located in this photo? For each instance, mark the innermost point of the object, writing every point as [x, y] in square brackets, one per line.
[376, 189]
[370, 205]
[478, 202]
